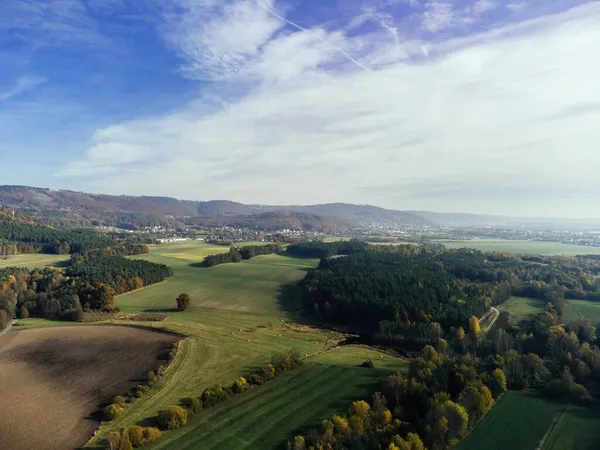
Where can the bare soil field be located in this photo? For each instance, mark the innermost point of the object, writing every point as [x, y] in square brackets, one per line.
[53, 380]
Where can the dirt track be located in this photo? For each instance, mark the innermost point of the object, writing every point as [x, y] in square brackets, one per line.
[52, 379]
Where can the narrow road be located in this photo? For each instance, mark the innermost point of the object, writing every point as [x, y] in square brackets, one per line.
[491, 316]
[7, 329]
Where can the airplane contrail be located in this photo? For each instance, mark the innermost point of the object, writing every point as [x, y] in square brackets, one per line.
[289, 22]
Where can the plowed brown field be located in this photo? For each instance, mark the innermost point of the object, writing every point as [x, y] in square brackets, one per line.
[52, 380]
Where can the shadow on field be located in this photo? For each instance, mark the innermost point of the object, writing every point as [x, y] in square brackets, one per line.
[161, 310]
[289, 298]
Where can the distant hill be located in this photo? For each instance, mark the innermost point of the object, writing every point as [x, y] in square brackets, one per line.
[63, 207]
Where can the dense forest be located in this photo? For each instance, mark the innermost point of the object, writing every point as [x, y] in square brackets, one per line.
[430, 297]
[406, 289]
[318, 249]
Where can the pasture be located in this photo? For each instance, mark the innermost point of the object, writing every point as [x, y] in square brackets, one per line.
[521, 308]
[525, 247]
[234, 322]
[32, 261]
[582, 309]
[55, 378]
[270, 415]
[519, 421]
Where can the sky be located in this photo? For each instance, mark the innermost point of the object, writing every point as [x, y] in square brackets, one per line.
[481, 106]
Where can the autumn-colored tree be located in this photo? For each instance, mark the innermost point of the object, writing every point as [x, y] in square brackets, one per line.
[411, 442]
[112, 411]
[151, 434]
[341, 425]
[124, 442]
[172, 417]
[136, 435]
[358, 416]
[23, 312]
[114, 439]
[477, 400]
[474, 326]
[497, 382]
[183, 301]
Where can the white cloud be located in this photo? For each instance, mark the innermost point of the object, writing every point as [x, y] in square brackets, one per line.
[517, 6]
[483, 6]
[505, 123]
[24, 83]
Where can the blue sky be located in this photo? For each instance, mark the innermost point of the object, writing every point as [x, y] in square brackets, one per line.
[482, 106]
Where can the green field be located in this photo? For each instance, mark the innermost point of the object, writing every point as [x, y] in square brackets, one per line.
[268, 416]
[234, 324]
[522, 308]
[519, 421]
[583, 309]
[577, 429]
[530, 247]
[33, 261]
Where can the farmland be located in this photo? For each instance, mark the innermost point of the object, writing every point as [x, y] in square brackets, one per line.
[32, 261]
[234, 322]
[270, 415]
[60, 380]
[532, 247]
[522, 308]
[583, 309]
[519, 421]
[577, 429]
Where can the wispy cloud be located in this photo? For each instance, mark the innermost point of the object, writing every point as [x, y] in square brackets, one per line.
[49, 22]
[484, 6]
[470, 117]
[24, 83]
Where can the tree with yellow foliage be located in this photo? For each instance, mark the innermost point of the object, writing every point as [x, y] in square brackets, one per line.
[474, 326]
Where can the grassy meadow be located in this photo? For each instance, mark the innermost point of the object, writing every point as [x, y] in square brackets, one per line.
[526, 247]
[268, 416]
[522, 308]
[575, 430]
[583, 309]
[234, 324]
[32, 261]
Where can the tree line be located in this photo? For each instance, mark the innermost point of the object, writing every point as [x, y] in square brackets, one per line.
[87, 285]
[318, 249]
[238, 254]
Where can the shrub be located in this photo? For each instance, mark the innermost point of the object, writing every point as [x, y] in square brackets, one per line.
[112, 411]
[172, 417]
[151, 434]
[141, 390]
[255, 379]
[119, 400]
[136, 435]
[183, 301]
[124, 442]
[193, 404]
[368, 363]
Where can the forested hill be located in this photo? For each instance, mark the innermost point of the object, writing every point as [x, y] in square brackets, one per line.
[60, 207]
[399, 288]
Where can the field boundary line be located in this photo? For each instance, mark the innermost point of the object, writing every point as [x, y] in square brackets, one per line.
[551, 428]
[478, 422]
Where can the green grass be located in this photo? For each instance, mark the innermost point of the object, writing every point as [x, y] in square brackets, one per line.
[33, 261]
[522, 308]
[518, 422]
[529, 247]
[225, 299]
[577, 429]
[582, 309]
[268, 416]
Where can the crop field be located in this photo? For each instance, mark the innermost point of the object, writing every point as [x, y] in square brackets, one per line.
[234, 322]
[526, 247]
[519, 421]
[521, 308]
[583, 309]
[53, 379]
[577, 429]
[270, 415]
[32, 261]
